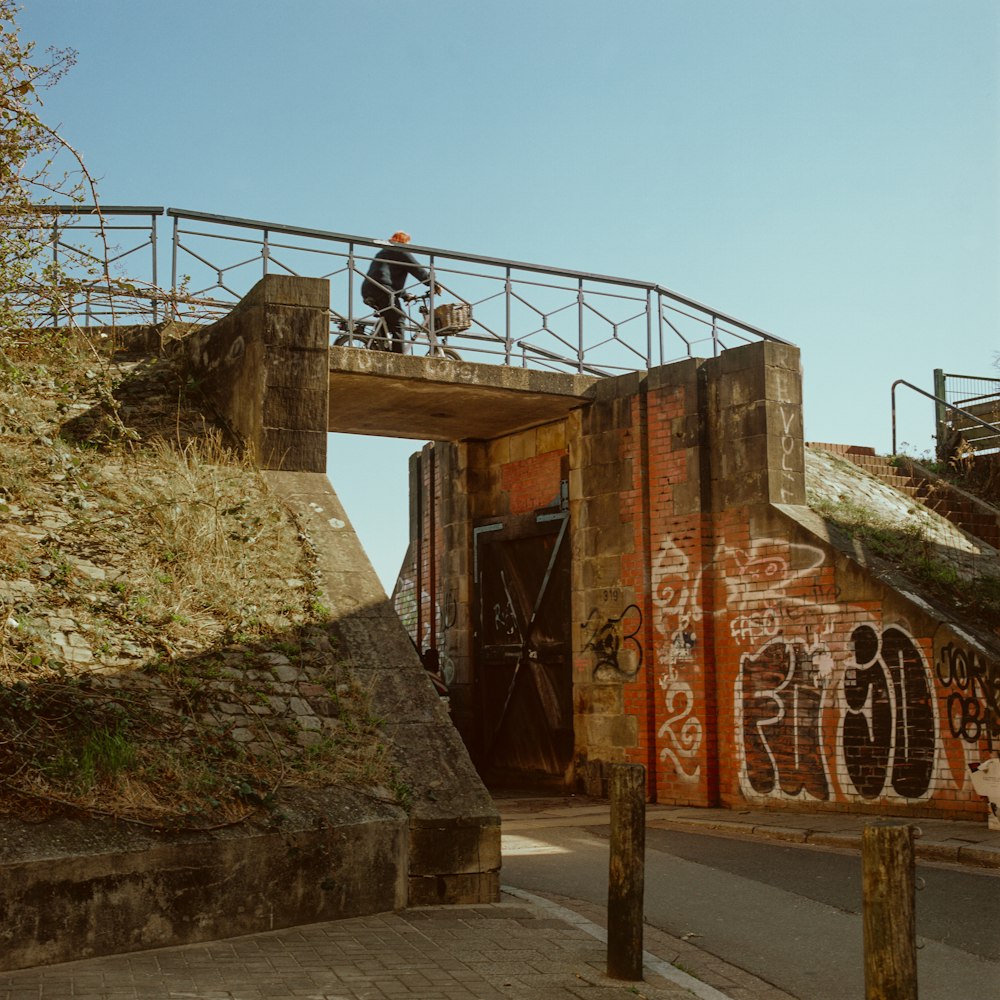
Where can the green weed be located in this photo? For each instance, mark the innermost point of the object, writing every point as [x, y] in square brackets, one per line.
[908, 549]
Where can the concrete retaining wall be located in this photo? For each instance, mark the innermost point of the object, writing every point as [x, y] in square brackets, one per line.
[74, 889]
[454, 828]
[265, 369]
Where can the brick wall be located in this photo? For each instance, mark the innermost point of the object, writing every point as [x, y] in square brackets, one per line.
[722, 636]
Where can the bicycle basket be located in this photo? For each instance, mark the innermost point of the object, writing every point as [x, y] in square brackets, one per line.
[452, 317]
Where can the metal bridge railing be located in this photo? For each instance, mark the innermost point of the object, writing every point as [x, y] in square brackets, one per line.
[103, 263]
[523, 314]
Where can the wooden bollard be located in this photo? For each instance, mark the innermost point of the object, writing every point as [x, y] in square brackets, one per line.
[626, 871]
[889, 908]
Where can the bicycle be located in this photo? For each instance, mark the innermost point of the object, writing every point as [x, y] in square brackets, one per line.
[371, 332]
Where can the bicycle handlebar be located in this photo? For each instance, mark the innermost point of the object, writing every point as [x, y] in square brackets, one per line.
[414, 297]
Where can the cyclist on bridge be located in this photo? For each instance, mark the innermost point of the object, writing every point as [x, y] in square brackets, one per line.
[390, 269]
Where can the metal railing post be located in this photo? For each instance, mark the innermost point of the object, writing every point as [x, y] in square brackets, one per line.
[649, 328]
[579, 310]
[430, 302]
[939, 412]
[893, 409]
[507, 338]
[659, 323]
[350, 288]
[265, 250]
[155, 274]
[55, 264]
[173, 268]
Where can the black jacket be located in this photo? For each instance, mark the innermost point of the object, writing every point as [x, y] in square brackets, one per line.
[389, 273]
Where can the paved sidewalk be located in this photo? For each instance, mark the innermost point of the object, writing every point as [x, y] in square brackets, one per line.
[523, 947]
[952, 841]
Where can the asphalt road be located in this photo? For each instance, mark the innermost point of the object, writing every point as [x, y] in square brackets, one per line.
[790, 915]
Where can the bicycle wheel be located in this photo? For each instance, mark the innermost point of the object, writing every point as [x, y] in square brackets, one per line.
[351, 340]
[438, 349]
[373, 340]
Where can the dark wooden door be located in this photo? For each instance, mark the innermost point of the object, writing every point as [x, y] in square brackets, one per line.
[522, 650]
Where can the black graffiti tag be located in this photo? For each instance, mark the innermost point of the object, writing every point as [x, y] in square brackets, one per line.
[974, 702]
[609, 638]
[782, 694]
[888, 728]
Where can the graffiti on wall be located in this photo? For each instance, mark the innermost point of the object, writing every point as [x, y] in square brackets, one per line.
[804, 687]
[888, 733]
[613, 643]
[678, 613]
[754, 628]
[791, 438]
[446, 610]
[505, 618]
[680, 734]
[780, 694]
[405, 603]
[973, 686]
[881, 700]
[773, 588]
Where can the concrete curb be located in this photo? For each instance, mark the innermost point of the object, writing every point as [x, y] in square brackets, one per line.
[971, 855]
[655, 965]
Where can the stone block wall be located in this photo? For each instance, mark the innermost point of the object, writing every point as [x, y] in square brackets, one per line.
[264, 367]
[75, 888]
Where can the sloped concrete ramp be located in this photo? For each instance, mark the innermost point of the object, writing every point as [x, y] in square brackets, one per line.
[454, 828]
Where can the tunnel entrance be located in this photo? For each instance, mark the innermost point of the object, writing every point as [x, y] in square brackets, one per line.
[522, 651]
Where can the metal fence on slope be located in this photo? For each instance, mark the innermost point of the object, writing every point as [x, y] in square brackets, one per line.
[973, 410]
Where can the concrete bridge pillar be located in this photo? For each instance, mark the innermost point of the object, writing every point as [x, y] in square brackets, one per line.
[265, 369]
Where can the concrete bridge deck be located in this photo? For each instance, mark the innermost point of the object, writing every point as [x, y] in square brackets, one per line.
[437, 399]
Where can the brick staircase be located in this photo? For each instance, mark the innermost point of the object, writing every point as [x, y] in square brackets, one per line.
[969, 513]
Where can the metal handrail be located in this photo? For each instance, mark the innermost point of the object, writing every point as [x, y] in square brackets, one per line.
[481, 259]
[523, 313]
[940, 402]
[524, 305]
[100, 209]
[97, 294]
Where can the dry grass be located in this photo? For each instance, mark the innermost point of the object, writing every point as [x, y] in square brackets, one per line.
[159, 613]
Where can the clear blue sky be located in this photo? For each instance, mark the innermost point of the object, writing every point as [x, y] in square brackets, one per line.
[827, 170]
